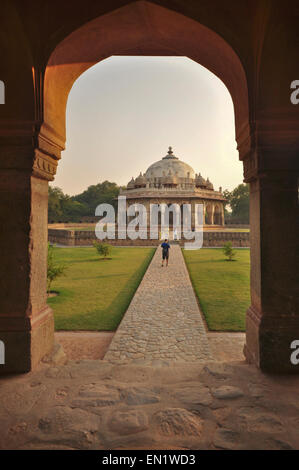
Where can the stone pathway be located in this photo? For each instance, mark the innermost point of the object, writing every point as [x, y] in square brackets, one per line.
[163, 321]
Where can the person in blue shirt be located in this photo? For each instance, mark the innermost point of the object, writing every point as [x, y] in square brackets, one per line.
[165, 252]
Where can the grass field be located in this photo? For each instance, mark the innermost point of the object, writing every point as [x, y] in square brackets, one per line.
[222, 287]
[94, 294]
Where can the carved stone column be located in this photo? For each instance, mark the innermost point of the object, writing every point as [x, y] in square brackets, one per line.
[272, 321]
[26, 322]
[192, 214]
[147, 203]
[212, 214]
[222, 215]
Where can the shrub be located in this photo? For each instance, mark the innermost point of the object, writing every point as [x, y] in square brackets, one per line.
[228, 251]
[54, 269]
[104, 249]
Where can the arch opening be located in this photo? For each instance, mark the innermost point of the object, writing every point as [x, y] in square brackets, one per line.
[90, 44]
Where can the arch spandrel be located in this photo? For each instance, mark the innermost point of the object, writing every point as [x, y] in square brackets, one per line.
[140, 28]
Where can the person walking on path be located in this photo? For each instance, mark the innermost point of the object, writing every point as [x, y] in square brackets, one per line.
[165, 252]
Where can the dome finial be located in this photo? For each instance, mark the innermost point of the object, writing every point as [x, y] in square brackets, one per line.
[170, 155]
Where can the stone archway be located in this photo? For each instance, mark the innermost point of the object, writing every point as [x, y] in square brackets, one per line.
[140, 28]
[33, 136]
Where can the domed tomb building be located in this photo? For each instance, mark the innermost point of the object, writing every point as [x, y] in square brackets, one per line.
[171, 181]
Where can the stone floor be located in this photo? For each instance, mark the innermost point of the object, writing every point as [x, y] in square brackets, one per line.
[163, 320]
[84, 344]
[227, 347]
[98, 405]
[165, 390]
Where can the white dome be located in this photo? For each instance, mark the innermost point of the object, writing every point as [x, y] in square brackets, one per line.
[171, 164]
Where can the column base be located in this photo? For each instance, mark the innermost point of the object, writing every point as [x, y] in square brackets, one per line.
[268, 342]
[26, 341]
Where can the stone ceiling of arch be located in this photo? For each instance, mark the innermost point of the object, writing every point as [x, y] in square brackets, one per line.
[140, 28]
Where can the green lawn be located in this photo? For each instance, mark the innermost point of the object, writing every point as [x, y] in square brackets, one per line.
[222, 287]
[94, 294]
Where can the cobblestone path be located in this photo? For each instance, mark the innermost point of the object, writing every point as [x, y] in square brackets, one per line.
[163, 321]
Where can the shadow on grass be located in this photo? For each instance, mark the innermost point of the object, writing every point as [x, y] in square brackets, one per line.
[62, 295]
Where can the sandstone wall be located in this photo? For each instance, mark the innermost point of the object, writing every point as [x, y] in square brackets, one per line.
[83, 238]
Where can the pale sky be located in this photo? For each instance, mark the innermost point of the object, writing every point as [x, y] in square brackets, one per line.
[123, 113]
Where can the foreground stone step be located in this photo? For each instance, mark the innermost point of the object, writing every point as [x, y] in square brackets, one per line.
[98, 405]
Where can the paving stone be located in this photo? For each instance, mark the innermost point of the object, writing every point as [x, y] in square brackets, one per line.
[178, 422]
[103, 395]
[256, 391]
[226, 392]
[44, 446]
[22, 399]
[277, 444]
[217, 370]
[140, 396]
[226, 439]
[194, 395]
[73, 427]
[264, 422]
[128, 422]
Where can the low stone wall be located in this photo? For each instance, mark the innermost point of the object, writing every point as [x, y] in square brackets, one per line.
[83, 238]
[70, 225]
[220, 238]
[237, 226]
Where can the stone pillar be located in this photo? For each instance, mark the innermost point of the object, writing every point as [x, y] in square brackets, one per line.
[272, 320]
[26, 322]
[192, 215]
[222, 215]
[212, 214]
[148, 216]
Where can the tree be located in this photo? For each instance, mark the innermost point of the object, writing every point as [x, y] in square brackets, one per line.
[238, 200]
[64, 208]
[104, 249]
[54, 203]
[228, 251]
[54, 269]
[94, 195]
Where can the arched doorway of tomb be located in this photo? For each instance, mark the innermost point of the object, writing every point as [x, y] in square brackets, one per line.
[217, 215]
[171, 218]
[208, 214]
